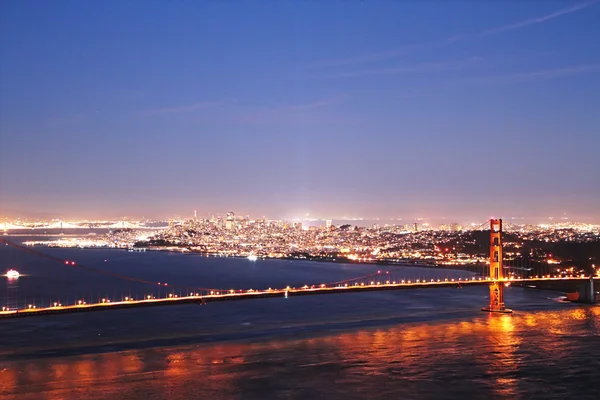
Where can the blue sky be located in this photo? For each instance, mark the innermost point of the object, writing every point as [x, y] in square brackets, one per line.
[403, 108]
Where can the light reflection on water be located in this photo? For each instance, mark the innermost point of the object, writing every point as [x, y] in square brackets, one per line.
[543, 354]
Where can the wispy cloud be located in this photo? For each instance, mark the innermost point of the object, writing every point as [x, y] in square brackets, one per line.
[313, 112]
[391, 54]
[537, 20]
[360, 59]
[281, 117]
[186, 108]
[435, 66]
[521, 24]
[535, 75]
[315, 104]
[309, 113]
[412, 96]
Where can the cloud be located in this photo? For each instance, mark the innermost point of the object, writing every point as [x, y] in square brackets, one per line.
[521, 24]
[390, 54]
[186, 108]
[537, 20]
[412, 96]
[534, 75]
[435, 66]
[361, 59]
[309, 113]
[286, 118]
[316, 104]
[292, 115]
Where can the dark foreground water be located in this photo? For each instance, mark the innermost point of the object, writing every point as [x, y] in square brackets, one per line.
[421, 344]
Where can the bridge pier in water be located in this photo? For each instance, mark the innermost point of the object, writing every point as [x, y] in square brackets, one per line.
[587, 292]
[497, 286]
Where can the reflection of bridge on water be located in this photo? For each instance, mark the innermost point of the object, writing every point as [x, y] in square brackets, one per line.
[492, 276]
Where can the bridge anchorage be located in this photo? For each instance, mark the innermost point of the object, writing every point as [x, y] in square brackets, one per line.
[497, 286]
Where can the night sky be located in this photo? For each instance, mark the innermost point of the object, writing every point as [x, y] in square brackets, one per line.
[333, 108]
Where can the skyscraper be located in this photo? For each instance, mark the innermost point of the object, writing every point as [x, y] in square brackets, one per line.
[230, 221]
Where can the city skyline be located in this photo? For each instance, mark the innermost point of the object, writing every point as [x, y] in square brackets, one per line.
[332, 109]
[91, 215]
[427, 222]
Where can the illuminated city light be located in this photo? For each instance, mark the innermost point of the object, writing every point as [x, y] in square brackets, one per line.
[357, 245]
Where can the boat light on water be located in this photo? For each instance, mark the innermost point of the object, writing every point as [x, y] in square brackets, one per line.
[252, 257]
[12, 274]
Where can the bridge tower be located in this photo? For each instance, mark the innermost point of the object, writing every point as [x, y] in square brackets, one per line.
[497, 285]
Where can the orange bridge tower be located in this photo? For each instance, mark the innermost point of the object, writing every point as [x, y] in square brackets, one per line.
[497, 284]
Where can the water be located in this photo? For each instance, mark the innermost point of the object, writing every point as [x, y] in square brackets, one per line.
[419, 344]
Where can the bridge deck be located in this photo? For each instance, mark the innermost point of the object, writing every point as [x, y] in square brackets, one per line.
[231, 295]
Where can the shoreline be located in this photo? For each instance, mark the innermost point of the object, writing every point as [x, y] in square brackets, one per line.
[562, 288]
[337, 260]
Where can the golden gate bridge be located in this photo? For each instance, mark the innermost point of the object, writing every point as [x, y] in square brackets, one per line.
[497, 276]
